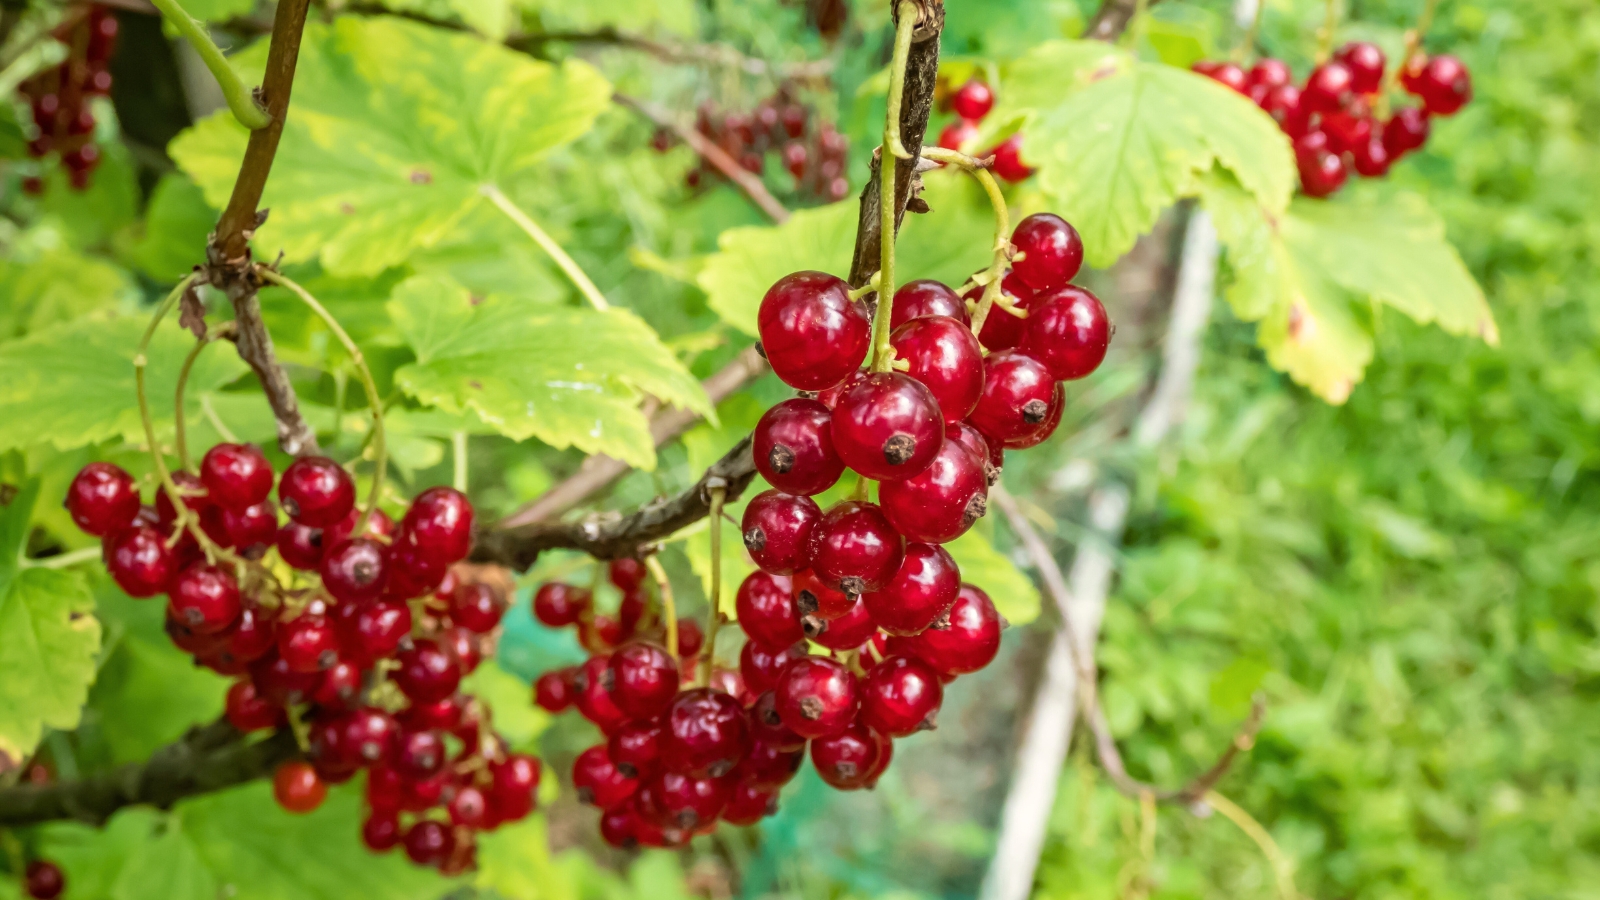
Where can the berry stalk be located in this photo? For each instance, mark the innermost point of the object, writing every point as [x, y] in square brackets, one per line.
[669, 607]
[181, 437]
[1002, 226]
[892, 149]
[241, 100]
[548, 244]
[713, 618]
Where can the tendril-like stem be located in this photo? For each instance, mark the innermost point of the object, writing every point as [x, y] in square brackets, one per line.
[573, 271]
[1330, 25]
[714, 618]
[888, 155]
[241, 100]
[669, 607]
[380, 453]
[1002, 226]
[181, 437]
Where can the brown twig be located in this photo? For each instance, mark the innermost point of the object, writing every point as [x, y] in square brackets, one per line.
[1112, 18]
[691, 54]
[746, 180]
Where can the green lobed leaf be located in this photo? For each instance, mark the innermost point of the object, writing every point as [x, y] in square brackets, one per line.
[73, 384]
[48, 652]
[176, 224]
[567, 376]
[50, 286]
[1013, 593]
[396, 127]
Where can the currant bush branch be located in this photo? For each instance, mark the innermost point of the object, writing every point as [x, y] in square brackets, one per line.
[1003, 251]
[241, 101]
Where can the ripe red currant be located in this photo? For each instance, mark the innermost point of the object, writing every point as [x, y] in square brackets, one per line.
[341, 685]
[705, 734]
[440, 521]
[252, 526]
[380, 831]
[247, 710]
[592, 698]
[766, 725]
[598, 780]
[854, 548]
[427, 672]
[958, 134]
[887, 426]
[205, 599]
[1002, 330]
[973, 100]
[1051, 252]
[845, 760]
[1406, 130]
[316, 491]
[676, 800]
[553, 690]
[253, 634]
[468, 808]
[627, 574]
[900, 696]
[1328, 88]
[847, 632]
[1227, 74]
[1366, 64]
[1068, 331]
[1017, 393]
[793, 447]
[971, 640]
[372, 631]
[1371, 159]
[370, 735]
[940, 504]
[512, 784]
[43, 880]
[760, 665]
[921, 592]
[429, 843]
[1321, 173]
[236, 475]
[617, 828]
[816, 697]
[140, 561]
[308, 643]
[1282, 103]
[418, 754]
[477, 607]
[812, 333]
[297, 787]
[354, 571]
[817, 600]
[281, 684]
[1008, 162]
[102, 499]
[690, 638]
[944, 356]
[1348, 128]
[766, 611]
[770, 766]
[635, 747]
[644, 679]
[1443, 83]
[557, 605]
[777, 531]
[749, 805]
[190, 489]
[1269, 73]
[926, 297]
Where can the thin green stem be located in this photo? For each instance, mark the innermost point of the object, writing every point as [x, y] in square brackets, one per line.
[216, 420]
[63, 560]
[181, 438]
[1002, 227]
[882, 352]
[714, 617]
[241, 100]
[1325, 34]
[548, 245]
[380, 453]
[906, 24]
[458, 450]
[669, 607]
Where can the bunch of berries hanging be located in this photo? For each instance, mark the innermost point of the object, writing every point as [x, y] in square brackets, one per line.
[971, 102]
[59, 98]
[812, 151]
[1333, 117]
[356, 628]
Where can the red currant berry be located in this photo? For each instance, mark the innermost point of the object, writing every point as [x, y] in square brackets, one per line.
[444, 715]
[1406, 130]
[766, 726]
[616, 828]
[1366, 64]
[297, 787]
[847, 632]
[1328, 89]
[1348, 128]
[468, 808]
[253, 634]
[760, 665]
[236, 475]
[1002, 330]
[991, 457]
[557, 605]
[440, 519]
[777, 531]
[644, 679]
[705, 734]
[887, 426]
[354, 571]
[247, 710]
[205, 599]
[940, 504]
[1282, 103]
[598, 781]
[190, 489]
[429, 843]
[627, 574]
[385, 789]
[252, 526]
[420, 796]
[1008, 162]
[1068, 331]
[793, 447]
[1051, 252]
[593, 699]
[635, 747]
[463, 646]
[201, 646]
[1321, 174]
[1226, 74]
[814, 599]
[900, 696]
[766, 611]
[854, 548]
[1443, 84]
[688, 801]
[316, 491]
[370, 735]
[816, 697]
[958, 134]
[830, 397]
[690, 638]
[300, 546]
[973, 100]
[477, 607]
[944, 356]
[553, 690]
[926, 297]
[921, 592]
[512, 786]
[971, 640]
[812, 334]
[769, 766]
[102, 499]
[418, 754]
[1269, 73]
[380, 831]
[373, 631]
[847, 759]
[1371, 159]
[340, 686]
[1017, 392]
[748, 805]
[281, 684]
[308, 643]
[427, 673]
[140, 561]
[43, 880]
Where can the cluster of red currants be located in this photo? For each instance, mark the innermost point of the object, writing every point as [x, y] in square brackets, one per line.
[815, 156]
[357, 632]
[1333, 119]
[971, 102]
[59, 98]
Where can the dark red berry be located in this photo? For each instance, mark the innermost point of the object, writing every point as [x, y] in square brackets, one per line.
[553, 690]
[945, 357]
[1269, 73]
[1008, 160]
[766, 611]
[444, 715]
[676, 800]
[991, 457]
[635, 747]
[690, 638]
[247, 710]
[769, 766]
[777, 531]
[380, 831]
[316, 491]
[617, 829]
[252, 526]
[888, 426]
[190, 489]
[593, 699]
[830, 397]
[1444, 85]
[281, 684]
[940, 504]
[1067, 330]
[1050, 252]
[236, 475]
[793, 447]
[440, 521]
[921, 592]
[973, 100]
[813, 335]
[372, 631]
[429, 843]
[300, 546]
[1371, 159]
[854, 548]
[297, 787]
[704, 734]
[926, 297]
[1328, 89]
[643, 680]
[598, 781]
[958, 134]
[355, 570]
[627, 574]
[1348, 128]
[1366, 64]
[1002, 330]
[513, 782]
[816, 697]
[463, 646]
[418, 754]
[900, 696]
[468, 808]
[340, 686]
[971, 639]
[308, 643]
[427, 672]
[1227, 74]
[1052, 419]
[102, 499]
[766, 725]
[140, 561]
[1017, 392]
[814, 599]
[205, 599]
[252, 635]
[1406, 130]
[1321, 173]
[43, 880]
[371, 735]
[760, 665]
[477, 607]
[558, 605]
[1282, 103]
[846, 760]
[749, 805]
[847, 632]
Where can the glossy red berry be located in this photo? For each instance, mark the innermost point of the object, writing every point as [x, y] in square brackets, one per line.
[635, 747]
[316, 491]
[1051, 252]
[1371, 159]
[1366, 64]
[847, 632]
[557, 605]
[1001, 330]
[354, 571]
[812, 333]
[1348, 128]
[854, 548]
[704, 734]
[765, 608]
[944, 356]
[468, 808]
[193, 494]
[926, 297]
[627, 574]
[921, 592]
[140, 561]
[281, 684]
[1017, 392]
[847, 759]
[429, 843]
[769, 766]
[236, 475]
[992, 458]
[1227, 74]
[341, 685]
[1269, 73]
[690, 638]
[760, 665]
[512, 784]
[617, 828]
[816, 697]
[1282, 103]
[427, 672]
[418, 754]
[380, 831]
[887, 426]
[248, 711]
[814, 599]
[440, 520]
[300, 546]
[766, 725]
[677, 800]
[370, 735]
[972, 100]
[477, 607]
[593, 699]
[971, 640]
[793, 447]
[205, 599]
[1443, 83]
[1328, 89]
[102, 499]
[777, 531]
[1008, 160]
[598, 781]
[1321, 173]
[749, 805]
[643, 679]
[308, 643]
[1406, 130]
[1067, 330]
[940, 504]
[252, 526]
[373, 631]
[252, 635]
[43, 880]
[958, 134]
[900, 696]
[297, 787]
